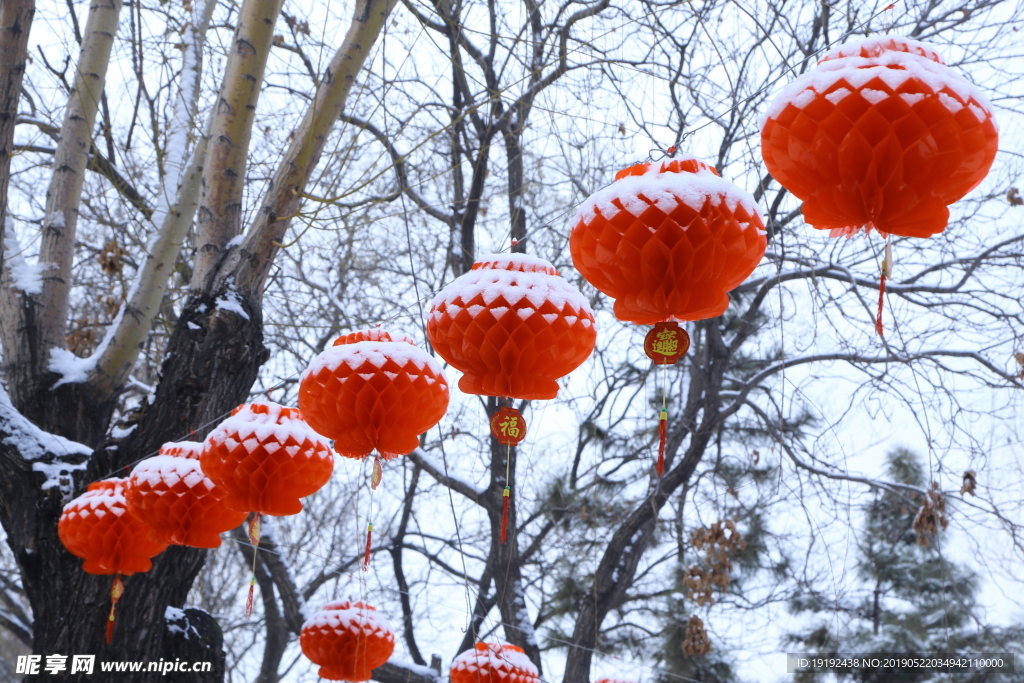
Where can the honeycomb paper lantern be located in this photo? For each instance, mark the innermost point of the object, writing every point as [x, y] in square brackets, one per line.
[171, 494]
[880, 135]
[668, 241]
[494, 663]
[97, 527]
[513, 326]
[373, 390]
[348, 640]
[612, 680]
[264, 458]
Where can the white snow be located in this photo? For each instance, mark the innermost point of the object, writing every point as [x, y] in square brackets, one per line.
[230, 302]
[31, 442]
[892, 68]
[353, 616]
[376, 354]
[666, 191]
[70, 367]
[235, 241]
[512, 277]
[495, 656]
[254, 428]
[24, 276]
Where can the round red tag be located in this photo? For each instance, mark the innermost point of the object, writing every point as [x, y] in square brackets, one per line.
[508, 426]
[666, 343]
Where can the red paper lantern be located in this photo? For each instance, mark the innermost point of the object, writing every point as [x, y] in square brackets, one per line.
[348, 640]
[513, 326]
[373, 390]
[171, 494]
[494, 663]
[880, 135]
[612, 680]
[98, 527]
[264, 458]
[668, 240]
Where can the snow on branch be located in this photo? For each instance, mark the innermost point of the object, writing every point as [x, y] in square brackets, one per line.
[54, 456]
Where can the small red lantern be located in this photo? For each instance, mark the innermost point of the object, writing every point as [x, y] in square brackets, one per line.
[373, 390]
[513, 326]
[668, 240]
[880, 135]
[612, 680]
[493, 663]
[98, 527]
[264, 458]
[171, 494]
[348, 640]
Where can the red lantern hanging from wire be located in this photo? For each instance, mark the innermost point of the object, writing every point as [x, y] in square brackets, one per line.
[263, 459]
[668, 241]
[97, 527]
[493, 663]
[514, 327]
[373, 391]
[171, 494]
[348, 640]
[883, 136]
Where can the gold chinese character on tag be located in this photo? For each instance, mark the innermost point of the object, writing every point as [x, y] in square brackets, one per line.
[666, 343]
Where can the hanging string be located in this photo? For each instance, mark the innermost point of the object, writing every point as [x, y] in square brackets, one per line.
[116, 591]
[254, 538]
[375, 478]
[663, 421]
[886, 273]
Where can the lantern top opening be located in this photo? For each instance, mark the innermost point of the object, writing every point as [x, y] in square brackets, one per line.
[376, 335]
[521, 263]
[182, 449]
[685, 163]
[876, 47]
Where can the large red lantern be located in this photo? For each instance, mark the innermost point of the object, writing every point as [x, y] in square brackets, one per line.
[264, 458]
[171, 494]
[373, 391]
[513, 326]
[493, 663]
[98, 527]
[668, 241]
[880, 135]
[348, 640]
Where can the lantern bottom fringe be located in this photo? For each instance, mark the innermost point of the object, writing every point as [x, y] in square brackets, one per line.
[506, 494]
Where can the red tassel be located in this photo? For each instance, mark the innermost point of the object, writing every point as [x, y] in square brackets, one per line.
[881, 304]
[369, 544]
[507, 493]
[116, 591]
[248, 600]
[662, 436]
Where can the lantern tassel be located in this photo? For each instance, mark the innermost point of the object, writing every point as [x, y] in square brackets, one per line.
[506, 494]
[369, 544]
[886, 273]
[116, 591]
[662, 437]
[254, 538]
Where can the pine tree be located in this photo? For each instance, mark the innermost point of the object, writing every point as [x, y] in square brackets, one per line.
[914, 601]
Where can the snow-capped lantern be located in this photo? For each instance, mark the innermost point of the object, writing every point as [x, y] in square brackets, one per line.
[494, 663]
[171, 494]
[97, 527]
[883, 135]
[668, 241]
[373, 391]
[348, 640]
[264, 458]
[513, 326]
